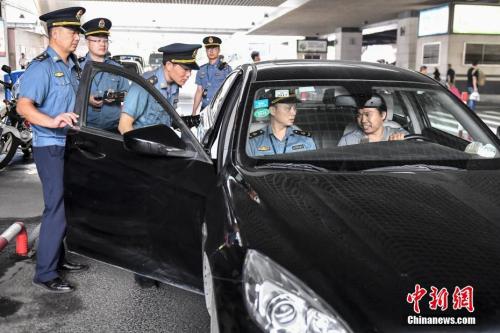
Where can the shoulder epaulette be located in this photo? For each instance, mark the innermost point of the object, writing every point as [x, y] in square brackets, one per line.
[41, 57]
[255, 134]
[152, 79]
[303, 133]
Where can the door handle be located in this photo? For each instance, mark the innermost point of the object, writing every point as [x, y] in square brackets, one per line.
[86, 149]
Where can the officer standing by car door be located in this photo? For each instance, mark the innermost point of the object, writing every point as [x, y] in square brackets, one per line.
[140, 109]
[103, 112]
[211, 75]
[46, 99]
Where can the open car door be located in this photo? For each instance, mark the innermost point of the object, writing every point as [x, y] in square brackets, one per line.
[135, 201]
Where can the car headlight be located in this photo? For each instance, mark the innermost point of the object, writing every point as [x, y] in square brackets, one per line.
[280, 302]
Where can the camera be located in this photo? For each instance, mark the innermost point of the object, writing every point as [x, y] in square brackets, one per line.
[114, 96]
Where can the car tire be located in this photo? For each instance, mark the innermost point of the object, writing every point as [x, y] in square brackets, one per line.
[208, 285]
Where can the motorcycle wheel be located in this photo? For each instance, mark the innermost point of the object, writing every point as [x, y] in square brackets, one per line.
[8, 146]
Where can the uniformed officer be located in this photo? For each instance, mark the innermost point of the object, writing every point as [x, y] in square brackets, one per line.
[46, 99]
[211, 75]
[281, 135]
[140, 108]
[103, 112]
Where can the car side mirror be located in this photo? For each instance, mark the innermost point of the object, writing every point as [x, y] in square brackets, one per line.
[156, 140]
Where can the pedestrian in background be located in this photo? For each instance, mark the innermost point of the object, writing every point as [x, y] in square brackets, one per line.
[46, 99]
[23, 62]
[437, 75]
[472, 85]
[423, 70]
[450, 75]
[211, 75]
[255, 55]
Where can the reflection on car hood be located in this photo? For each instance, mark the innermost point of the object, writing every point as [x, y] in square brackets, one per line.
[362, 241]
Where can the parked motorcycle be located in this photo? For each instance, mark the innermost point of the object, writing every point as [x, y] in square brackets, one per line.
[15, 131]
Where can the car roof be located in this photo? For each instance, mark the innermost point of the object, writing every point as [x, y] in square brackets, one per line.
[278, 70]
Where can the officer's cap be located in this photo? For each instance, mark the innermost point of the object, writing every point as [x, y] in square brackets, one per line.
[66, 17]
[375, 101]
[182, 54]
[97, 26]
[212, 41]
[286, 96]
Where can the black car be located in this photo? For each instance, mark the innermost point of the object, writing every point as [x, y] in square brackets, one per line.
[326, 235]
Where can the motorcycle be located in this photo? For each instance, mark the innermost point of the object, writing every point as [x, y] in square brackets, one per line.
[15, 131]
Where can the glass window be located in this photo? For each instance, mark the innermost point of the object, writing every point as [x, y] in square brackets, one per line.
[358, 124]
[431, 54]
[483, 53]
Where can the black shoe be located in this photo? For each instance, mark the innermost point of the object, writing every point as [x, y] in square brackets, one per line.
[56, 285]
[69, 267]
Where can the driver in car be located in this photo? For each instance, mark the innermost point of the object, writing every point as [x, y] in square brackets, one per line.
[370, 119]
[281, 135]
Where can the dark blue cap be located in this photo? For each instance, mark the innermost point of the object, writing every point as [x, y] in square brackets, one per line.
[65, 17]
[182, 54]
[97, 26]
[212, 41]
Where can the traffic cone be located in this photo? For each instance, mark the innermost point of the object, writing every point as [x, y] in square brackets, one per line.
[465, 96]
[22, 242]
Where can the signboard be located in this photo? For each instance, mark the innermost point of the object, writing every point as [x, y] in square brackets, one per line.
[433, 21]
[312, 46]
[476, 19]
[3, 45]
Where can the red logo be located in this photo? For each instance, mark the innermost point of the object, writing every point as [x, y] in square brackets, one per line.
[463, 298]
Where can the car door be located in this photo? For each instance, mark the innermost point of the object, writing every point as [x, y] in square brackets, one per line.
[134, 210]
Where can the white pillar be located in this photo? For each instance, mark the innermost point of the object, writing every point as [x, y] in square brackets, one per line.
[406, 44]
[349, 42]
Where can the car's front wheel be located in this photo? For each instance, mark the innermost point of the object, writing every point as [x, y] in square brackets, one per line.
[208, 285]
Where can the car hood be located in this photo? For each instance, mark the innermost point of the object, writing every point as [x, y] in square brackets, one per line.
[364, 240]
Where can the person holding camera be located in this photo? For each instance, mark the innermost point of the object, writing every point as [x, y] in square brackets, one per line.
[107, 89]
[211, 75]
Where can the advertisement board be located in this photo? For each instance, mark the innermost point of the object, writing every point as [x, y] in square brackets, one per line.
[312, 46]
[476, 19]
[433, 21]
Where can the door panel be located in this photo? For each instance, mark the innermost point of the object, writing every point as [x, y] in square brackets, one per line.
[135, 211]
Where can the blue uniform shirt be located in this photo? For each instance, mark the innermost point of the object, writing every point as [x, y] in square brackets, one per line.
[210, 77]
[107, 116]
[144, 108]
[263, 142]
[51, 85]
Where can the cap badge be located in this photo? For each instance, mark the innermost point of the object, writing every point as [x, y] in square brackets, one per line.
[79, 14]
[101, 23]
[194, 53]
[210, 40]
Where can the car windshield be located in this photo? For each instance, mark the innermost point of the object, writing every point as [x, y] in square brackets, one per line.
[360, 125]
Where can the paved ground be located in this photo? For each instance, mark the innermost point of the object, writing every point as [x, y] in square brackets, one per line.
[107, 298]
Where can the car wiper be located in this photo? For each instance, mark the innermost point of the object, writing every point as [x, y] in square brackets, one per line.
[293, 166]
[413, 167]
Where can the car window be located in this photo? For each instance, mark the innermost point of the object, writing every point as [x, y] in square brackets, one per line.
[363, 121]
[209, 114]
[107, 95]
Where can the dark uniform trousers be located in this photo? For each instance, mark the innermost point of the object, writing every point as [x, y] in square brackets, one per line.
[49, 162]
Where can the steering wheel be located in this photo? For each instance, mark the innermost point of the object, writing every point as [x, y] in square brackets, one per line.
[417, 137]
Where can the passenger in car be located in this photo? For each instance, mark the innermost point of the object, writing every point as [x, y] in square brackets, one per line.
[370, 119]
[141, 108]
[281, 135]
